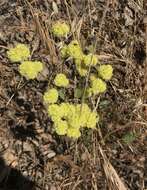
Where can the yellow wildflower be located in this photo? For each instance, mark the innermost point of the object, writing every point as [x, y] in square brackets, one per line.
[90, 59]
[51, 96]
[72, 111]
[93, 77]
[98, 86]
[83, 112]
[74, 121]
[69, 118]
[60, 29]
[61, 127]
[65, 109]
[92, 120]
[81, 68]
[61, 80]
[54, 112]
[64, 51]
[74, 50]
[19, 53]
[105, 71]
[73, 132]
[30, 69]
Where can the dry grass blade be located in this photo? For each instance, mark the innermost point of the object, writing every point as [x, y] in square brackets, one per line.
[44, 35]
[113, 156]
[114, 181]
[76, 27]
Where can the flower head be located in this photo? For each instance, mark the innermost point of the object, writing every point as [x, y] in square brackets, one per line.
[81, 68]
[83, 112]
[19, 53]
[65, 109]
[64, 51]
[92, 120]
[74, 50]
[61, 80]
[61, 127]
[60, 29]
[74, 121]
[51, 96]
[105, 71]
[69, 118]
[90, 59]
[73, 132]
[30, 69]
[54, 112]
[93, 77]
[88, 92]
[98, 86]
[71, 112]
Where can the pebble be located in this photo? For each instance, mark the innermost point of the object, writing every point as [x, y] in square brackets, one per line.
[27, 147]
[51, 154]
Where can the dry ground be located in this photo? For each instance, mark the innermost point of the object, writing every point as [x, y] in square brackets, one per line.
[114, 157]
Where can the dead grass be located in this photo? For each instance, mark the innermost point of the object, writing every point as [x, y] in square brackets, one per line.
[99, 160]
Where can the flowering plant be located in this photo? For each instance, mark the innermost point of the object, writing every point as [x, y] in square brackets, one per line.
[68, 117]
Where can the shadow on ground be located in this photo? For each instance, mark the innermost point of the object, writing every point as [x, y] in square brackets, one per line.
[12, 179]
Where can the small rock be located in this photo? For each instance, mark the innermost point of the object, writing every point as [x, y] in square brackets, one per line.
[27, 147]
[51, 154]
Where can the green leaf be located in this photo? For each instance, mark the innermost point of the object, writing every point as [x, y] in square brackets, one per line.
[78, 93]
[104, 103]
[129, 137]
[62, 94]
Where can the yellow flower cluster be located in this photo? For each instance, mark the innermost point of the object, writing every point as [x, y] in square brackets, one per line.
[19, 53]
[30, 69]
[51, 96]
[73, 50]
[81, 68]
[97, 86]
[69, 118]
[61, 127]
[90, 59]
[60, 29]
[73, 132]
[82, 65]
[64, 51]
[61, 80]
[82, 62]
[105, 71]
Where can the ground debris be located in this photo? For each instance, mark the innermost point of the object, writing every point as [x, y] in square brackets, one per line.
[28, 145]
